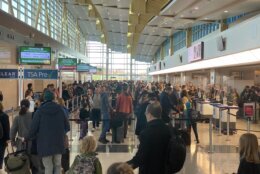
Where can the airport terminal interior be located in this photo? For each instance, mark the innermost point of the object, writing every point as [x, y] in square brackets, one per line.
[208, 48]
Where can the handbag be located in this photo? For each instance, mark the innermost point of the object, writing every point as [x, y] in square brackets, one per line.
[17, 162]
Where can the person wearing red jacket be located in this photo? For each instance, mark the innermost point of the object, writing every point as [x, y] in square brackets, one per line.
[124, 106]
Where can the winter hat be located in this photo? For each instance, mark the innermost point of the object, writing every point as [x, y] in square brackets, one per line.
[48, 95]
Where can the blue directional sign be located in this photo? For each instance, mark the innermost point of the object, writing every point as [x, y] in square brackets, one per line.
[8, 73]
[40, 74]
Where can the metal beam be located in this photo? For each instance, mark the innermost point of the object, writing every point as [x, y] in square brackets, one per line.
[10, 7]
[47, 18]
[38, 13]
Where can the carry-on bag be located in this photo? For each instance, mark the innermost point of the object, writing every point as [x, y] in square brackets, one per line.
[17, 162]
[120, 134]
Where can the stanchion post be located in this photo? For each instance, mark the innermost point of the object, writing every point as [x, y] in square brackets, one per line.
[220, 126]
[77, 102]
[67, 104]
[228, 121]
[12, 114]
[248, 124]
[72, 100]
[210, 136]
[173, 122]
[71, 139]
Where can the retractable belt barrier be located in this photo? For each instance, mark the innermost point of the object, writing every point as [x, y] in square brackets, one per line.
[196, 120]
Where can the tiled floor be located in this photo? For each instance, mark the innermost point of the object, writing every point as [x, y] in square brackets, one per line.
[224, 160]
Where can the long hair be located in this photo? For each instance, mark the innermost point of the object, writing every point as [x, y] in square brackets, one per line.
[120, 168]
[25, 104]
[248, 148]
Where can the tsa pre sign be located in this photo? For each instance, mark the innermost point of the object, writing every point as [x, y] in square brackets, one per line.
[40, 74]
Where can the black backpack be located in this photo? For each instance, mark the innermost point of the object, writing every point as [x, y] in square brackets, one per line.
[176, 152]
[1, 131]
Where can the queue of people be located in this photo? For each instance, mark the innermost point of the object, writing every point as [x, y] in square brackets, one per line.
[43, 131]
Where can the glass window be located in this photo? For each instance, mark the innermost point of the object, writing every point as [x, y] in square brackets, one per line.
[5, 6]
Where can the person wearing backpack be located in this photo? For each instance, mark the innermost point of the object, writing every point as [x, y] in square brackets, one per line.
[154, 140]
[86, 162]
[4, 133]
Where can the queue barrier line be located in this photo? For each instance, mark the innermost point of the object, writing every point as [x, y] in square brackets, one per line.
[211, 150]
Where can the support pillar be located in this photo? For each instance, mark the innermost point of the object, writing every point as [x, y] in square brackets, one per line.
[223, 25]
[107, 63]
[183, 78]
[167, 79]
[188, 37]
[131, 68]
[212, 76]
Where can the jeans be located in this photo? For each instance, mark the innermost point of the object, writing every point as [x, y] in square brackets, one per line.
[96, 114]
[52, 164]
[83, 128]
[105, 128]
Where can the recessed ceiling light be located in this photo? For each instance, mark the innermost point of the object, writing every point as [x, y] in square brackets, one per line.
[206, 18]
[225, 11]
[196, 8]
[182, 16]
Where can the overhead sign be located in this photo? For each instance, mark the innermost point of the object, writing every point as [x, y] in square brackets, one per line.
[83, 67]
[196, 52]
[67, 63]
[8, 73]
[40, 74]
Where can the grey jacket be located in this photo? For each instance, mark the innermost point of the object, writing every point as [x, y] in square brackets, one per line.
[21, 127]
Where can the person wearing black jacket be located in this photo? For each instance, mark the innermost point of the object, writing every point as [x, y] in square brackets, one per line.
[154, 139]
[4, 120]
[166, 104]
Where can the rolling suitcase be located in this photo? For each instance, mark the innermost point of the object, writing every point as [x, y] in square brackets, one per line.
[120, 134]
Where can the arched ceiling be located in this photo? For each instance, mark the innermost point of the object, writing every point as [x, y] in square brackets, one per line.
[141, 26]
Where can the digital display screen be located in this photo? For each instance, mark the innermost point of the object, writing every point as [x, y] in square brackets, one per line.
[35, 55]
[67, 63]
[83, 67]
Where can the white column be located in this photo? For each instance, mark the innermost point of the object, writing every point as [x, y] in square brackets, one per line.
[107, 63]
[60, 83]
[183, 78]
[167, 79]
[212, 76]
[131, 68]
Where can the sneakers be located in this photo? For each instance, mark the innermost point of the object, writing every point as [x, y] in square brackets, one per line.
[93, 130]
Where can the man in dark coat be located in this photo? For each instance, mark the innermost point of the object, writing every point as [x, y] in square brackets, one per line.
[49, 126]
[166, 104]
[154, 139]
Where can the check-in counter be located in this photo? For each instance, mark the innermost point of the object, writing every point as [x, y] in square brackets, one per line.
[220, 110]
[204, 108]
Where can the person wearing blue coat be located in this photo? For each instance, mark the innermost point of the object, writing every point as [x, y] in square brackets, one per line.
[48, 127]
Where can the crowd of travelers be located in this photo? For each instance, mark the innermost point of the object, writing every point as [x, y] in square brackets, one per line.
[41, 127]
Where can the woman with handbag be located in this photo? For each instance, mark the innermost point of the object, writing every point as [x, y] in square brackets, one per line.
[21, 126]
